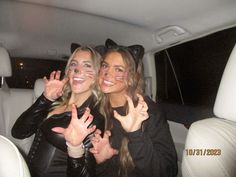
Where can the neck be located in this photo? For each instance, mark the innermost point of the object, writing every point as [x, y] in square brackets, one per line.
[79, 99]
[117, 99]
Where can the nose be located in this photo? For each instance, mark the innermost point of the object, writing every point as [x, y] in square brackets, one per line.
[76, 70]
[108, 71]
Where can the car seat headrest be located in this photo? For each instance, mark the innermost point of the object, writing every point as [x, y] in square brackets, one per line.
[38, 88]
[226, 97]
[5, 63]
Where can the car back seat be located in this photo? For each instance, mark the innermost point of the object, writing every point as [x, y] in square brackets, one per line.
[12, 103]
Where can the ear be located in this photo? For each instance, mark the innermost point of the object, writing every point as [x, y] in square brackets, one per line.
[73, 47]
[110, 43]
[137, 51]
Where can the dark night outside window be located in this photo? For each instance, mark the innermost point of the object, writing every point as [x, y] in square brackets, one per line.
[26, 71]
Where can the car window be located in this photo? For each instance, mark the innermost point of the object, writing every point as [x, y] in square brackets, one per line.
[25, 71]
[190, 73]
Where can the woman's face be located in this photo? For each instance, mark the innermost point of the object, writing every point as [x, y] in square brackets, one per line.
[81, 72]
[113, 74]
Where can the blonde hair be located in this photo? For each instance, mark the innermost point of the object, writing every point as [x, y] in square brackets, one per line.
[135, 85]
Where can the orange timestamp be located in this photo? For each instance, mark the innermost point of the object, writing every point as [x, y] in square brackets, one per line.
[203, 152]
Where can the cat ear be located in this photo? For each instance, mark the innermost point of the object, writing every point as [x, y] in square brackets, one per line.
[137, 51]
[110, 43]
[74, 46]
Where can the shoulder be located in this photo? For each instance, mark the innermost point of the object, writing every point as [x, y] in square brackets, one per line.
[153, 107]
[156, 113]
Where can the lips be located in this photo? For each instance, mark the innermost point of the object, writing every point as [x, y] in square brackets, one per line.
[78, 79]
[108, 83]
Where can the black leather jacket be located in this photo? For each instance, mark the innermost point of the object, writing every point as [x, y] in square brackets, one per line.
[48, 154]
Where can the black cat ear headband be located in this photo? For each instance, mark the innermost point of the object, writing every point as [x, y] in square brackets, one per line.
[137, 51]
[74, 46]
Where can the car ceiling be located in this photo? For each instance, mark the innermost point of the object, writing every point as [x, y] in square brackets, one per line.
[45, 29]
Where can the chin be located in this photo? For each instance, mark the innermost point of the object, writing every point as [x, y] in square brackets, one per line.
[105, 89]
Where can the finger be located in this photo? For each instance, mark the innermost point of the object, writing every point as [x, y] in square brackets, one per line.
[130, 102]
[89, 120]
[58, 130]
[145, 107]
[139, 106]
[95, 139]
[117, 115]
[85, 115]
[64, 80]
[45, 80]
[92, 129]
[98, 132]
[74, 112]
[106, 135]
[98, 136]
[93, 151]
[145, 115]
[57, 75]
[52, 75]
[115, 151]
[140, 97]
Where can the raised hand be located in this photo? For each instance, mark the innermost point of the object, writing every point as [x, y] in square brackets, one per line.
[136, 115]
[53, 87]
[78, 129]
[102, 149]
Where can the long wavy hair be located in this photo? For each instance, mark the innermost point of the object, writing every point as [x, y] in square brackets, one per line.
[96, 60]
[135, 84]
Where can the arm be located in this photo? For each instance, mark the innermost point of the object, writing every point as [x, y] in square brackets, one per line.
[28, 122]
[152, 149]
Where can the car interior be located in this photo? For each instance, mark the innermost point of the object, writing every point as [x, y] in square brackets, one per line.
[38, 29]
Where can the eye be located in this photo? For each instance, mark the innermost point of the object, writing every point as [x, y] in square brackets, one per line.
[88, 65]
[121, 70]
[73, 64]
[104, 65]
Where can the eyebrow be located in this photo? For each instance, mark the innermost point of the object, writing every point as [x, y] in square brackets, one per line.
[84, 61]
[120, 66]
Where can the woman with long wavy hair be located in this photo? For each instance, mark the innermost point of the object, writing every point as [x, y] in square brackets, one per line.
[69, 108]
[137, 142]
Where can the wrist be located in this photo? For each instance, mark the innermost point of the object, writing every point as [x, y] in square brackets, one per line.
[75, 151]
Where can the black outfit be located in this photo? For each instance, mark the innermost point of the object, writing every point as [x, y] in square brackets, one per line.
[151, 147]
[48, 154]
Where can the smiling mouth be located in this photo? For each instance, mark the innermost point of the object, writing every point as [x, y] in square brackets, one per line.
[108, 83]
[78, 79]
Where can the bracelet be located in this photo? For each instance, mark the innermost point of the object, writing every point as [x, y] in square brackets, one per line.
[75, 151]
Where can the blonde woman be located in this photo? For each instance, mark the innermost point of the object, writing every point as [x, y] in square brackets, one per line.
[63, 118]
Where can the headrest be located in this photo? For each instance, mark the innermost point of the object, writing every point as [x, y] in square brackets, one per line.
[210, 149]
[38, 87]
[226, 97]
[11, 157]
[5, 63]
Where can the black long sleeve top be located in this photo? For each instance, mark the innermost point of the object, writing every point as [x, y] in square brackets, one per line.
[151, 147]
[48, 154]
